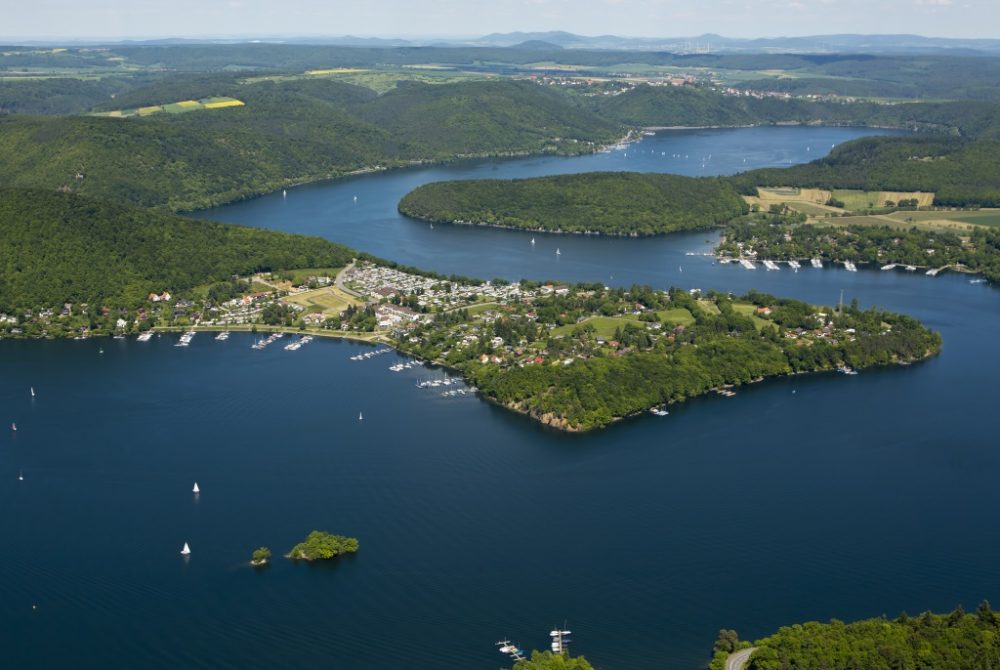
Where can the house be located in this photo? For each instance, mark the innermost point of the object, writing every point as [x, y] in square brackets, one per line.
[162, 297]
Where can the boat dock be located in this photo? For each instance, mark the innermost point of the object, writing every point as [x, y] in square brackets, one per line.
[890, 266]
[299, 343]
[185, 339]
[817, 263]
[506, 647]
[747, 264]
[850, 267]
[795, 265]
[271, 339]
[771, 265]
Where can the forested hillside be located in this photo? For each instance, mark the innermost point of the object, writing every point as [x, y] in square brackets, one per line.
[955, 641]
[286, 133]
[609, 203]
[59, 247]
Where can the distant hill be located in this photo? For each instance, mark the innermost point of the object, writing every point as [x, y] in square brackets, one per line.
[536, 44]
[58, 247]
[712, 43]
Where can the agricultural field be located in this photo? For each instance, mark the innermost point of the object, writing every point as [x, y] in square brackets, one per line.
[812, 201]
[677, 315]
[179, 107]
[856, 201]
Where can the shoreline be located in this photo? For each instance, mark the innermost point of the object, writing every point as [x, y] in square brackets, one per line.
[548, 420]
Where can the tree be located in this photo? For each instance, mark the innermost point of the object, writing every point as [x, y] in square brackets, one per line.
[260, 556]
[727, 641]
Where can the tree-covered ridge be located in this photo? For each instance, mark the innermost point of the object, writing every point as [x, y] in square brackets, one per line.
[580, 358]
[609, 203]
[954, 641]
[775, 238]
[287, 132]
[57, 248]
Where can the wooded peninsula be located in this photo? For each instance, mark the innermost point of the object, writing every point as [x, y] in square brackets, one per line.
[604, 203]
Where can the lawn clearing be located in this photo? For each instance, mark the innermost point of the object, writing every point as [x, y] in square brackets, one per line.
[328, 301]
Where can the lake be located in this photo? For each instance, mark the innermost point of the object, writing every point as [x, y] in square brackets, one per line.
[851, 497]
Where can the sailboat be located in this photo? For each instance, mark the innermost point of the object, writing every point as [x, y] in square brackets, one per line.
[532, 241]
[284, 193]
[186, 551]
[196, 490]
[13, 426]
[32, 391]
[558, 253]
[355, 198]
[361, 416]
[20, 476]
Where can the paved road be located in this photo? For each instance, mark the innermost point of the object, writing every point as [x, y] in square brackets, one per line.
[737, 660]
[341, 277]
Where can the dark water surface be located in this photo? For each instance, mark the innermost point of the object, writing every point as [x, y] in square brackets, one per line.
[851, 497]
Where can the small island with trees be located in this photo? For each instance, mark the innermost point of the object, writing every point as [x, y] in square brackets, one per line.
[321, 546]
[595, 203]
[260, 557]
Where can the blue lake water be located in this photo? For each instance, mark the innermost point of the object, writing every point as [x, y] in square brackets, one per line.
[851, 497]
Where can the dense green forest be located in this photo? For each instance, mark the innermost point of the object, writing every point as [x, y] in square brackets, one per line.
[321, 546]
[978, 250]
[954, 641]
[609, 203]
[60, 248]
[286, 133]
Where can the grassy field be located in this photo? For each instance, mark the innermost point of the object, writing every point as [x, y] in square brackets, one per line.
[708, 307]
[604, 326]
[328, 301]
[751, 310]
[677, 315]
[178, 107]
[299, 276]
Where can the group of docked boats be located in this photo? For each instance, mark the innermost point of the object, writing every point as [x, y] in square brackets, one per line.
[559, 645]
[299, 343]
[399, 367]
[270, 339]
[370, 354]
[185, 339]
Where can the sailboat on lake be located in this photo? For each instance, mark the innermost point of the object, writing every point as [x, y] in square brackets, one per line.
[186, 551]
[196, 490]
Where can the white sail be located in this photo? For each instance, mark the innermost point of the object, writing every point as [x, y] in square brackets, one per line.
[32, 391]
[361, 416]
[186, 550]
[196, 489]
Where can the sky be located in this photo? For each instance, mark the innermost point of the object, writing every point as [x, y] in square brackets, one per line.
[92, 19]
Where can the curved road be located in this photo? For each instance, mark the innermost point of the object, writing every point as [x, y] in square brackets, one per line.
[737, 660]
